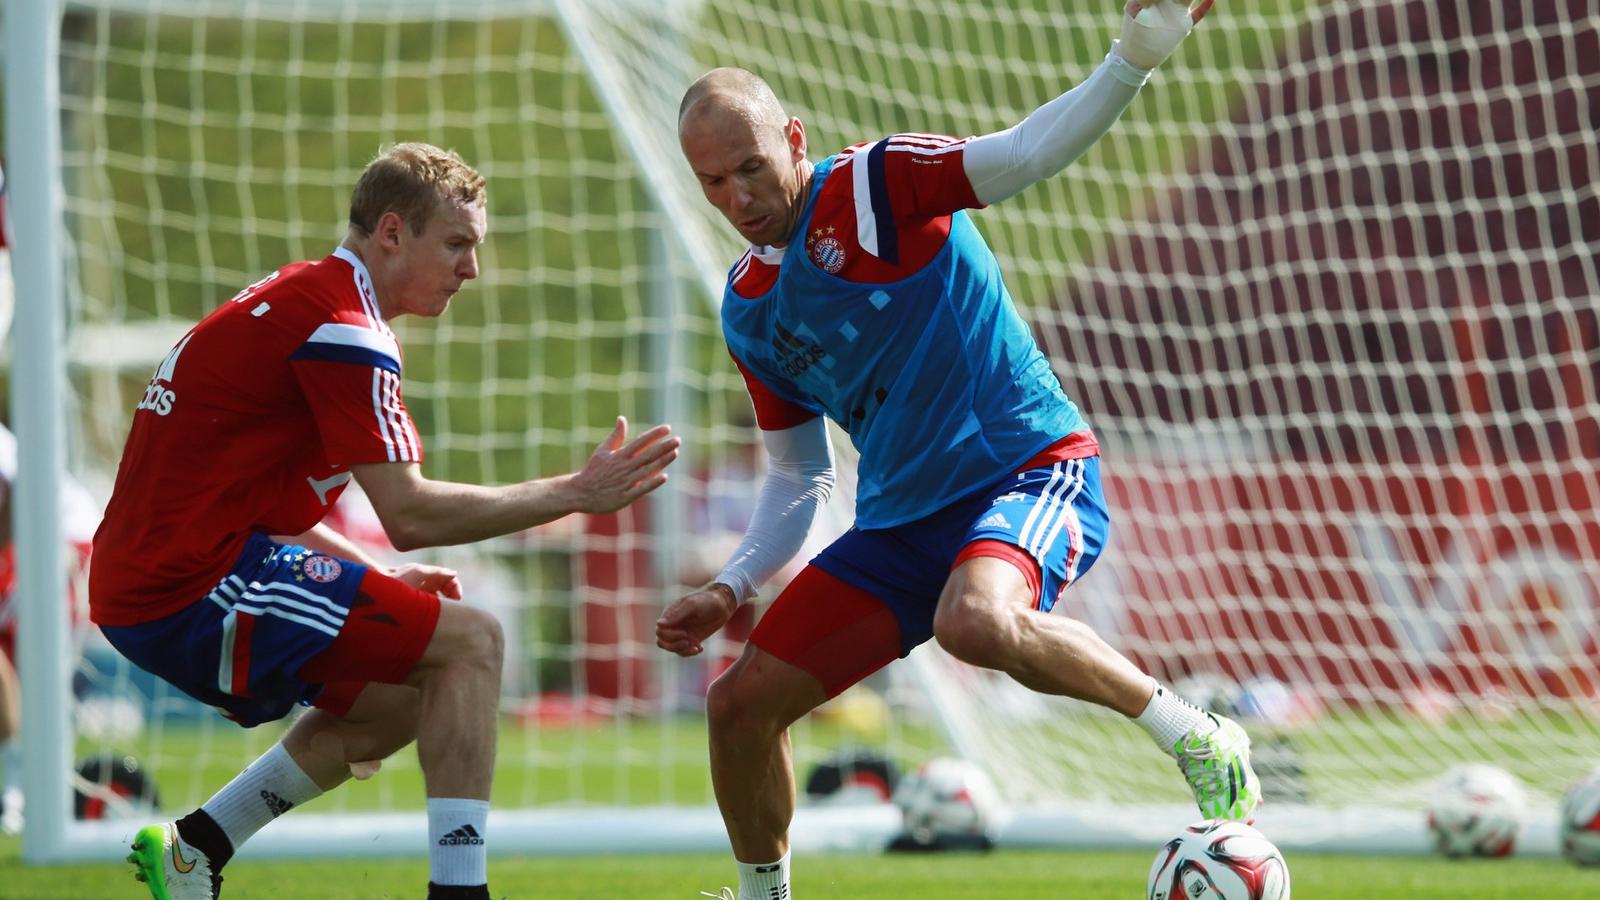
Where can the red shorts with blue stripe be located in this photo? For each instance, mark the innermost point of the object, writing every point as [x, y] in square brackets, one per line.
[286, 626]
[871, 595]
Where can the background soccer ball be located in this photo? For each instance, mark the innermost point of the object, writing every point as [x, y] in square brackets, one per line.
[1476, 810]
[1580, 821]
[947, 802]
[1218, 860]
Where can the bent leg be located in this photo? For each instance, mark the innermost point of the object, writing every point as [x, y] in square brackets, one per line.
[382, 720]
[986, 618]
[821, 636]
[749, 709]
[459, 680]
[425, 670]
[10, 699]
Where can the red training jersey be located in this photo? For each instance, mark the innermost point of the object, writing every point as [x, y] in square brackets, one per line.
[249, 426]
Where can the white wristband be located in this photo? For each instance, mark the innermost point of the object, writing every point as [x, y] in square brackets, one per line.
[1152, 35]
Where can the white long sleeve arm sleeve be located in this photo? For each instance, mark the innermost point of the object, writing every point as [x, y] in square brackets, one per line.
[1000, 164]
[799, 480]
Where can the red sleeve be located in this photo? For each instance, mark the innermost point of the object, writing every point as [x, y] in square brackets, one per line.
[773, 413]
[351, 374]
[923, 174]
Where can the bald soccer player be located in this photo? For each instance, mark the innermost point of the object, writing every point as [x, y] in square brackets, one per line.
[868, 296]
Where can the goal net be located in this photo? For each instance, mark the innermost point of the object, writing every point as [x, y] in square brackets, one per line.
[1325, 293]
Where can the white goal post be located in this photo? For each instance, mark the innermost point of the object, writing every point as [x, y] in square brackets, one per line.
[1325, 292]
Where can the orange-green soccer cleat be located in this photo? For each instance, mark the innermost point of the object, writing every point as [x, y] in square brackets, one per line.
[170, 867]
[1217, 766]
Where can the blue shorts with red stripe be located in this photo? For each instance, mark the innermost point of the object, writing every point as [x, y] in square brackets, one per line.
[1055, 514]
[243, 646]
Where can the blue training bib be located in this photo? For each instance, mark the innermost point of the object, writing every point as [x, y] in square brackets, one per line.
[936, 378]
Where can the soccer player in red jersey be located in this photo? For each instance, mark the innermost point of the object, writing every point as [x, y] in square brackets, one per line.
[213, 572]
[868, 297]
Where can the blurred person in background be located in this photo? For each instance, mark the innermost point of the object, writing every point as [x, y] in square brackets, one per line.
[80, 515]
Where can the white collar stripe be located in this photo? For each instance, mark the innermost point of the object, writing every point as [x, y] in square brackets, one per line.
[866, 218]
[364, 289]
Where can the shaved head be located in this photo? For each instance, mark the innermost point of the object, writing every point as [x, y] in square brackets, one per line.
[732, 91]
[749, 156]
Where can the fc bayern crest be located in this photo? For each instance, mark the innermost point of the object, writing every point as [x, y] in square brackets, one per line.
[828, 254]
[322, 569]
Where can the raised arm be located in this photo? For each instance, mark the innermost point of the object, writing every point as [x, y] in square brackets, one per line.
[419, 512]
[1003, 163]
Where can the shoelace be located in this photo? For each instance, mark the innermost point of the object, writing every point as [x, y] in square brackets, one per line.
[1206, 781]
[724, 894]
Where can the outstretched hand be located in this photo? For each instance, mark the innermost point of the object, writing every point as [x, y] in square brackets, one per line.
[1153, 29]
[622, 471]
[683, 628]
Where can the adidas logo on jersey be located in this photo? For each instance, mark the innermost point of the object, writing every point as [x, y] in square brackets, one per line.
[158, 398]
[995, 520]
[463, 836]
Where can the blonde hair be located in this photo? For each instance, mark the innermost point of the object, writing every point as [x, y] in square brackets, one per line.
[411, 180]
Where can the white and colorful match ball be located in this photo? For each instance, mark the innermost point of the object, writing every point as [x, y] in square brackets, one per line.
[947, 798]
[1580, 821]
[1218, 859]
[1476, 810]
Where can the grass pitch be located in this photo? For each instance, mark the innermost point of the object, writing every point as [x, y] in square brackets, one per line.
[1010, 874]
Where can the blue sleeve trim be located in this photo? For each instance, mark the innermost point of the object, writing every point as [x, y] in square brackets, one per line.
[882, 213]
[344, 353]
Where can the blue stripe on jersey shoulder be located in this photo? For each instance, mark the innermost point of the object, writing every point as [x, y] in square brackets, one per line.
[888, 243]
[346, 353]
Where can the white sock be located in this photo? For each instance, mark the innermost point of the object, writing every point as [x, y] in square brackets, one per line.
[1168, 717]
[270, 787]
[456, 850]
[764, 881]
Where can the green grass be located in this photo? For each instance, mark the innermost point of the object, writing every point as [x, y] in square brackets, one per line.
[625, 761]
[1096, 875]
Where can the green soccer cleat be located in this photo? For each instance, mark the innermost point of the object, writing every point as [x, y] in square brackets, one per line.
[1217, 766]
[170, 867]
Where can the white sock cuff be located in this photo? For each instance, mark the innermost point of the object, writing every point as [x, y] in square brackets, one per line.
[270, 787]
[1168, 717]
[764, 881]
[279, 764]
[457, 852]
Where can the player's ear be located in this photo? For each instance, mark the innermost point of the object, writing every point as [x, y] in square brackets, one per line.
[796, 132]
[387, 234]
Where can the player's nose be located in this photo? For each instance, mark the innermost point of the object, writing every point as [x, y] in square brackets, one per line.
[468, 268]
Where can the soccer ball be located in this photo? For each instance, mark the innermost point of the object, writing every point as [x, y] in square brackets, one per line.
[1218, 860]
[1476, 810]
[1580, 821]
[948, 802]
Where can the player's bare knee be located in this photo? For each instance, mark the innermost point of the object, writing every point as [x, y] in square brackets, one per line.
[466, 637]
[972, 631]
[487, 645]
[736, 704]
[728, 702]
